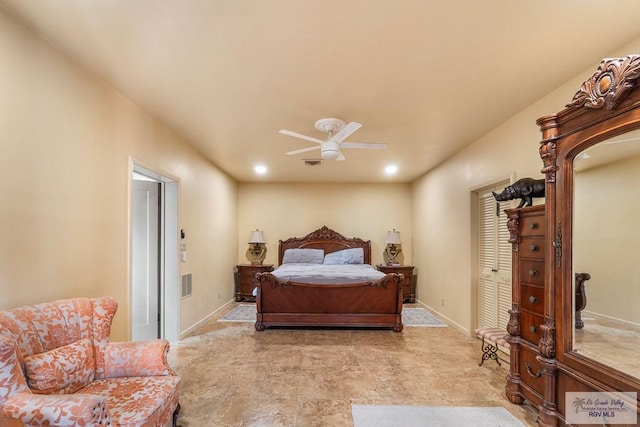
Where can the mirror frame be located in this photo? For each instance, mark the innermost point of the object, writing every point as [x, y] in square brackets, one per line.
[607, 105]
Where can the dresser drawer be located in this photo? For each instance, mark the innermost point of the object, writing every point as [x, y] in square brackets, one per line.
[532, 272]
[530, 326]
[530, 369]
[532, 247]
[533, 299]
[248, 274]
[532, 225]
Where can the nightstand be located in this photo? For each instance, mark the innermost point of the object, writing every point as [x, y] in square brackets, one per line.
[245, 275]
[408, 285]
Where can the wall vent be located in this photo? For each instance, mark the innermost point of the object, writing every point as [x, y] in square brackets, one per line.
[186, 285]
[312, 162]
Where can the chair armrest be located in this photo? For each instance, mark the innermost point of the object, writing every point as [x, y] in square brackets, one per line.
[56, 409]
[12, 380]
[136, 359]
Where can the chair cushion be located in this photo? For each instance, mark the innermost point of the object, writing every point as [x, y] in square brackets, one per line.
[64, 369]
[136, 401]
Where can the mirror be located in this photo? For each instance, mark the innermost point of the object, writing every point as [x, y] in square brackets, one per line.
[606, 253]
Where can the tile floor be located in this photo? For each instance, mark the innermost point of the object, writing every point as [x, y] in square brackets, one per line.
[235, 376]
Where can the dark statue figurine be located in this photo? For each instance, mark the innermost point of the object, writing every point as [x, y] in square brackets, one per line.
[524, 189]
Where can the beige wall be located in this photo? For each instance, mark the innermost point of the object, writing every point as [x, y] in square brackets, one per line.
[367, 211]
[442, 215]
[442, 220]
[66, 140]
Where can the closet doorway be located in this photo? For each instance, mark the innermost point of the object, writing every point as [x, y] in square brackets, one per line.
[154, 269]
[493, 258]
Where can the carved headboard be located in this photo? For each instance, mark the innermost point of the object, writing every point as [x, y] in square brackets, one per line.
[326, 239]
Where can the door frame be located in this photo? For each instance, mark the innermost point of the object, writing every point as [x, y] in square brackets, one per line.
[475, 256]
[169, 305]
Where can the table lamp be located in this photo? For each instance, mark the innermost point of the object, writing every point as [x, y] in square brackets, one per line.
[393, 252]
[257, 248]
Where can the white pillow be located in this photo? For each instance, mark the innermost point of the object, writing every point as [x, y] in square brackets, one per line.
[307, 256]
[345, 256]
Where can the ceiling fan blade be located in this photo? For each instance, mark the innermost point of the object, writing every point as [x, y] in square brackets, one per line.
[341, 157]
[302, 150]
[301, 136]
[347, 130]
[370, 145]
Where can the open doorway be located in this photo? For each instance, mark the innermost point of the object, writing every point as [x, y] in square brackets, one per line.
[153, 240]
[146, 251]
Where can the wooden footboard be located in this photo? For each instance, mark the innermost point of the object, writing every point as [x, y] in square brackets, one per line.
[370, 304]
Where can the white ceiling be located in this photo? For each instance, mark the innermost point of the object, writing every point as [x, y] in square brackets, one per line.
[425, 77]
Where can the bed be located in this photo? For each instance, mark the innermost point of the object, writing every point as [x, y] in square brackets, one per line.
[327, 299]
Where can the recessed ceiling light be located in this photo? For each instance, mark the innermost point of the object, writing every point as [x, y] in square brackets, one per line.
[260, 169]
[391, 169]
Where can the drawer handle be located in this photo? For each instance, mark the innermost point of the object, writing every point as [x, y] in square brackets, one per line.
[530, 372]
[533, 225]
[533, 329]
[534, 248]
[533, 273]
[533, 299]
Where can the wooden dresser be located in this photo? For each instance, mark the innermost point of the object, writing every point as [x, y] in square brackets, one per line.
[583, 371]
[245, 275]
[526, 229]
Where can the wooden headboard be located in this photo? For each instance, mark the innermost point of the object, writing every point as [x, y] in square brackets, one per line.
[326, 239]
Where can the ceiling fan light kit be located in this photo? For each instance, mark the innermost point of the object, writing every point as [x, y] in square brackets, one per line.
[338, 131]
[330, 150]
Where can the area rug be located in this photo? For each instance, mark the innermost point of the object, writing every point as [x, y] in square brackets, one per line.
[242, 313]
[431, 416]
[420, 317]
[410, 316]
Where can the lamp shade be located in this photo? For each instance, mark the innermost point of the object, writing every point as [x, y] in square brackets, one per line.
[257, 237]
[393, 237]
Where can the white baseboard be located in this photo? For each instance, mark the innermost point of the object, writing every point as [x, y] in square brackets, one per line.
[191, 328]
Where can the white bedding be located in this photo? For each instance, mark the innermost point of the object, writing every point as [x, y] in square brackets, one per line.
[328, 273]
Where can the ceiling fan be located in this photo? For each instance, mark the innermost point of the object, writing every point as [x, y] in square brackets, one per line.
[330, 148]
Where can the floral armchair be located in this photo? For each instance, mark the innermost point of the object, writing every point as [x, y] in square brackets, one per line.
[58, 368]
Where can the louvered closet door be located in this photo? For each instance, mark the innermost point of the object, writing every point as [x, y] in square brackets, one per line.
[494, 261]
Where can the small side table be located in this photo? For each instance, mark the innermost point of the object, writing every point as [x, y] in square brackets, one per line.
[245, 276]
[408, 285]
